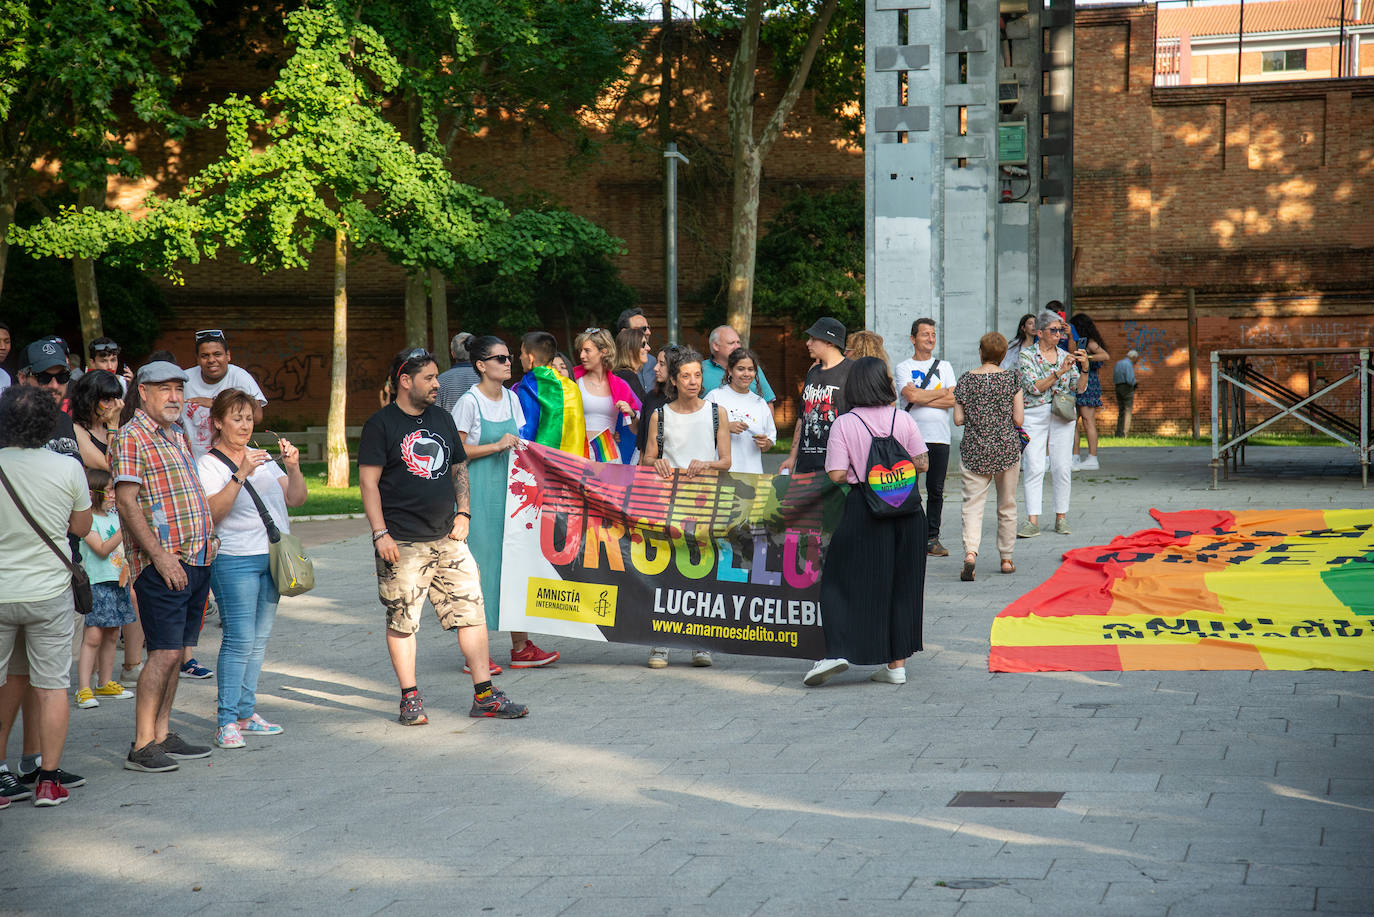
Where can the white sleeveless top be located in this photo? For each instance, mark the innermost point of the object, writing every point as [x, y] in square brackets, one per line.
[597, 410]
[688, 436]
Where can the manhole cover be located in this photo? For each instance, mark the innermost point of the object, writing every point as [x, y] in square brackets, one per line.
[1006, 800]
[969, 883]
[1091, 706]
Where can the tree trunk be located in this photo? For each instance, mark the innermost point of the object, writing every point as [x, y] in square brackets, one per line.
[417, 322]
[744, 237]
[438, 310]
[9, 192]
[83, 271]
[336, 444]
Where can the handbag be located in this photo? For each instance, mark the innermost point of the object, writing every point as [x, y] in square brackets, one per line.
[1064, 406]
[293, 571]
[82, 597]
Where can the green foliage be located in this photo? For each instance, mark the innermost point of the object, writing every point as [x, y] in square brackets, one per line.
[68, 68]
[811, 259]
[576, 288]
[467, 64]
[837, 73]
[314, 157]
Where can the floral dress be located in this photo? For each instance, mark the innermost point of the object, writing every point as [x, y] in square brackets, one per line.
[991, 444]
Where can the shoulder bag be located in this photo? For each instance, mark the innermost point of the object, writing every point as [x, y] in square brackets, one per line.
[81, 583]
[292, 569]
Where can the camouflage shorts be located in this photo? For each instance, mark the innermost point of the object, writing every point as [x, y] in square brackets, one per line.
[445, 571]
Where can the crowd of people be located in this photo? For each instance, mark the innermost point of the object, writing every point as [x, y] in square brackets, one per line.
[162, 487]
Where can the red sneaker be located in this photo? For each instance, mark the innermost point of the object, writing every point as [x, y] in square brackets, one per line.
[49, 793]
[491, 664]
[531, 657]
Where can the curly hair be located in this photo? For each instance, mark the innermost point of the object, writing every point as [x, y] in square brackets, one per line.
[676, 361]
[27, 417]
[89, 390]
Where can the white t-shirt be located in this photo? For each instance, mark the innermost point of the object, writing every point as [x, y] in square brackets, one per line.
[52, 487]
[752, 409]
[5, 380]
[473, 407]
[241, 533]
[932, 422]
[195, 420]
[598, 410]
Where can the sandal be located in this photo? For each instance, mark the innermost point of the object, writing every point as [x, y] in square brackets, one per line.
[1008, 566]
[966, 575]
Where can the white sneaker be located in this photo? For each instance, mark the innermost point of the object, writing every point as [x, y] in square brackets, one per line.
[658, 657]
[888, 676]
[1089, 464]
[701, 659]
[823, 671]
[1077, 460]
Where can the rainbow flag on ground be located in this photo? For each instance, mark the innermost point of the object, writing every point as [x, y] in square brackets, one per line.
[552, 406]
[1208, 589]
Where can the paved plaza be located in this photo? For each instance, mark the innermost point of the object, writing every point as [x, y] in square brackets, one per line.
[734, 790]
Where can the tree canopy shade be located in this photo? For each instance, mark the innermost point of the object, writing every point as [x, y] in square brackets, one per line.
[70, 70]
[315, 160]
[811, 259]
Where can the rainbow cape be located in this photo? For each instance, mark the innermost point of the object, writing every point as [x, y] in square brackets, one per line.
[1208, 589]
[553, 411]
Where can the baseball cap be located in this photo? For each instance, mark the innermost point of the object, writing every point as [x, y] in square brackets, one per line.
[830, 330]
[41, 356]
[161, 371]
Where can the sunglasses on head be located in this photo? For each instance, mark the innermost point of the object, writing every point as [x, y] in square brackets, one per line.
[419, 354]
[111, 347]
[590, 330]
[211, 334]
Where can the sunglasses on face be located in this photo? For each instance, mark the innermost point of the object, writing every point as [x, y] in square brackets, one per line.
[61, 378]
[211, 334]
[502, 358]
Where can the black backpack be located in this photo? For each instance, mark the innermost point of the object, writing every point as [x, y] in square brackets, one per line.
[889, 478]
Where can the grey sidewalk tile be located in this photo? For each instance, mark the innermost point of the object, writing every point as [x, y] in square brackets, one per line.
[662, 905]
[1074, 784]
[1339, 900]
[495, 906]
[851, 889]
[929, 906]
[1203, 897]
[1348, 877]
[1246, 850]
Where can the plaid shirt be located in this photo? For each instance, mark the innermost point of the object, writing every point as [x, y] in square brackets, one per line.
[174, 504]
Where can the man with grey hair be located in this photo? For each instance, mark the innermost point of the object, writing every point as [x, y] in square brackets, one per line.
[461, 377]
[1123, 376]
[723, 341]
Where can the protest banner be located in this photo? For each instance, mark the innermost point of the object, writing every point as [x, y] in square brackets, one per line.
[1208, 589]
[721, 561]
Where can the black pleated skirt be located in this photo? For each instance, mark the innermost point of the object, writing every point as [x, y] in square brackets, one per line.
[873, 585]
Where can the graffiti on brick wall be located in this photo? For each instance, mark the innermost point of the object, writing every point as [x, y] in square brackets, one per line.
[1307, 373]
[289, 380]
[1152, 342]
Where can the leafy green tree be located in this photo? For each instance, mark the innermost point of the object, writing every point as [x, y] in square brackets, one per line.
[317, 161]
[470, 64]
[750, 145]
[69, 72]
[811, 258]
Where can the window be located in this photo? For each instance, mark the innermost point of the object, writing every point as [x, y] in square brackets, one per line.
[1279, 61]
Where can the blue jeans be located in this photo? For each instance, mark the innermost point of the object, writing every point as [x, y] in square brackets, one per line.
[247, 599]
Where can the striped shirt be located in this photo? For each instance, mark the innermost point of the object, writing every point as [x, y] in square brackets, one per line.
[174, 505]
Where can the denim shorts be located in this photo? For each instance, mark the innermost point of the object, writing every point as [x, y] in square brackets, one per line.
[171, 619]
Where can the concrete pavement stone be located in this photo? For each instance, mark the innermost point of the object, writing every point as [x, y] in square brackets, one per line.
[734, 790]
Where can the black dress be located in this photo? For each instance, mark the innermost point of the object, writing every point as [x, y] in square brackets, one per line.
[873, 585]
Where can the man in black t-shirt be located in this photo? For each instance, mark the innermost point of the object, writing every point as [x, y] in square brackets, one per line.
[822, 396]
[414, 479]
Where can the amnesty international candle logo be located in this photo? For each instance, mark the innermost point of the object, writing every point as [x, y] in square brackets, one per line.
[585, 603]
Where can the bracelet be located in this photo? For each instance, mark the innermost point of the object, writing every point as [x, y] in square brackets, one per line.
[376, 536]
[235, 479]
[469, 515]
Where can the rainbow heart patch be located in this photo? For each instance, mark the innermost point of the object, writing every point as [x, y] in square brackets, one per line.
[893, 485]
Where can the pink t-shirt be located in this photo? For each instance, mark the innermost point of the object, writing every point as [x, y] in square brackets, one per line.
[847, 448]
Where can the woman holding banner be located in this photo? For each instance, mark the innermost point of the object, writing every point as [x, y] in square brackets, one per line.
[487, 417]
[873, 584]
[608, 405]
[690, 435]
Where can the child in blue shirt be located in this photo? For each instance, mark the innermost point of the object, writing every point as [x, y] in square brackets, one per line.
[102, 554]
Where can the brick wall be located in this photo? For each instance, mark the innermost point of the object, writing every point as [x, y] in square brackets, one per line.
[1259, 197]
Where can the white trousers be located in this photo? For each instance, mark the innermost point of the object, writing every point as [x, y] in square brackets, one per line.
[1042, 426]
